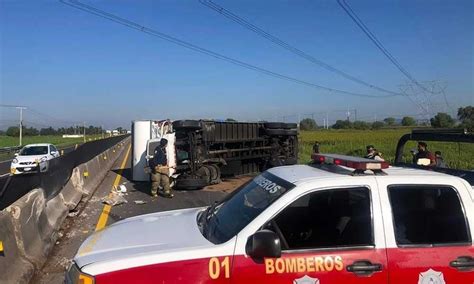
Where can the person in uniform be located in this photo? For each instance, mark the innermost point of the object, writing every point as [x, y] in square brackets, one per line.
[160, 171]
[423, 153]
[373, 154]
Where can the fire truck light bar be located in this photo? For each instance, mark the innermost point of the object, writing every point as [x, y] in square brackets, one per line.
[350, 162]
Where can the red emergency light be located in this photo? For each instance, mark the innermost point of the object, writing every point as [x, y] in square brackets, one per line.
[360, 164]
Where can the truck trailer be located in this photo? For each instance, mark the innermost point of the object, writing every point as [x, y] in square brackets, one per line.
[201, 151]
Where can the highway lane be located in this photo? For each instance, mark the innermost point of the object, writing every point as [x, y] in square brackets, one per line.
[5, 165]
[91, 215]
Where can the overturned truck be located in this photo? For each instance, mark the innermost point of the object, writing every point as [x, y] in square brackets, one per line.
[201, 151]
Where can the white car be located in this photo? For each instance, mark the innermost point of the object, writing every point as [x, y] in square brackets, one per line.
[33, 156]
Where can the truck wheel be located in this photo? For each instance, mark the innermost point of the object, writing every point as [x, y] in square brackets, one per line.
[276, 132]
[204, 173]
[273, 125]
[187, 124]
[290, 126]
[190, 183]
[215, 174]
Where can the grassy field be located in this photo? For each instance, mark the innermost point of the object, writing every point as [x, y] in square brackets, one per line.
[7, 141]
[353, 142]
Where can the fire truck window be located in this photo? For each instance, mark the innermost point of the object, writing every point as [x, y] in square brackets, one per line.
[427, 215]
[325, 219]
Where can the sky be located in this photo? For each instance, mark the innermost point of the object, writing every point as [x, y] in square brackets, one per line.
[69, 66]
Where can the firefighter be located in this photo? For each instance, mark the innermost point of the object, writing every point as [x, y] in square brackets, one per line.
[160, 171]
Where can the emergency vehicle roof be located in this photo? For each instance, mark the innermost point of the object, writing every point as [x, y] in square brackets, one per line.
[302, 173]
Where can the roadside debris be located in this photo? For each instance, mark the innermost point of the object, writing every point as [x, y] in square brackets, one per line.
[139, 202]
[114, 198]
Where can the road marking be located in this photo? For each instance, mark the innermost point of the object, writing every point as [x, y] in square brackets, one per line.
[104, 216]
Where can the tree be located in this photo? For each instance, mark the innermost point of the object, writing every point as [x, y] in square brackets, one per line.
[48, 131]
[360, 125]
[377, 125]
[308, 124]
[466, 116]
[342, 124]
[390, 121]
[13, 131]
[230, 120]
[442, 120]
[408, 121]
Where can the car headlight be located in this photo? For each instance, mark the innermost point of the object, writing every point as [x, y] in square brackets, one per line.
[75, 276]
[15, 161]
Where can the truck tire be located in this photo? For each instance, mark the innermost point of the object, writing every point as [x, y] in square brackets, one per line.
[204, 172]
[290, 126]
[190, 183]
[276, 132]
[273, 125]
[215, 174]
[187, 124]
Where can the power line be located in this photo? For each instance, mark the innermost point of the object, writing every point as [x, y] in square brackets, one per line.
[134, 25]
[377, 43]
[246, 24]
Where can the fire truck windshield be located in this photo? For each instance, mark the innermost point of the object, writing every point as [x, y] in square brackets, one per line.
[224, 220]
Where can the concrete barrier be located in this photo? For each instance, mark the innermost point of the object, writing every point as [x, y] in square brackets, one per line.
[28, 227]
[73, 190]
[13, 267]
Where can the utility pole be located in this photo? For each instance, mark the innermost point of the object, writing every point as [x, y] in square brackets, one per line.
[21, 124]
[327, 120]
[84, 125]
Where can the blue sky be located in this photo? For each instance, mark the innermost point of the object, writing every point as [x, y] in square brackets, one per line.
[68, 65]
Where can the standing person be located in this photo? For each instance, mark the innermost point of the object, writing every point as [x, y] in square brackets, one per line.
[316, 147]
[423, 153]
[160, 171]
[373, 154]
[439, 160]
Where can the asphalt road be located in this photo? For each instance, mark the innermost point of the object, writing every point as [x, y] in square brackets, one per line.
[83, 222]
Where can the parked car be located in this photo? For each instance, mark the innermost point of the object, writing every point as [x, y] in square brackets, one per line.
[33, 158]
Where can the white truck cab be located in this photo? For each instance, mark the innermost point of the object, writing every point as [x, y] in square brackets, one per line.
[340, 220]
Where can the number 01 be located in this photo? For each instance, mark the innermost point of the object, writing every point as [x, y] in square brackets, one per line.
[215, 266]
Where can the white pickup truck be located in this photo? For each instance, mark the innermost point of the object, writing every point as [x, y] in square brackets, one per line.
[340, 220]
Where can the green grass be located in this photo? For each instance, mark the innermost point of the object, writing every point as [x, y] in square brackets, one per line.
[8, 141]
[353, 142]
[59, 141]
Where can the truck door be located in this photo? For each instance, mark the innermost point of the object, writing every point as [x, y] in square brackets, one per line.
[428, 235]
[327, 236]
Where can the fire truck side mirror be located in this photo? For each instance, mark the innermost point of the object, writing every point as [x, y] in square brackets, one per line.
[264, 243]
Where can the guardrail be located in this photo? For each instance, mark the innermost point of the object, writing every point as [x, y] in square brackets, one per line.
[9, 150]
